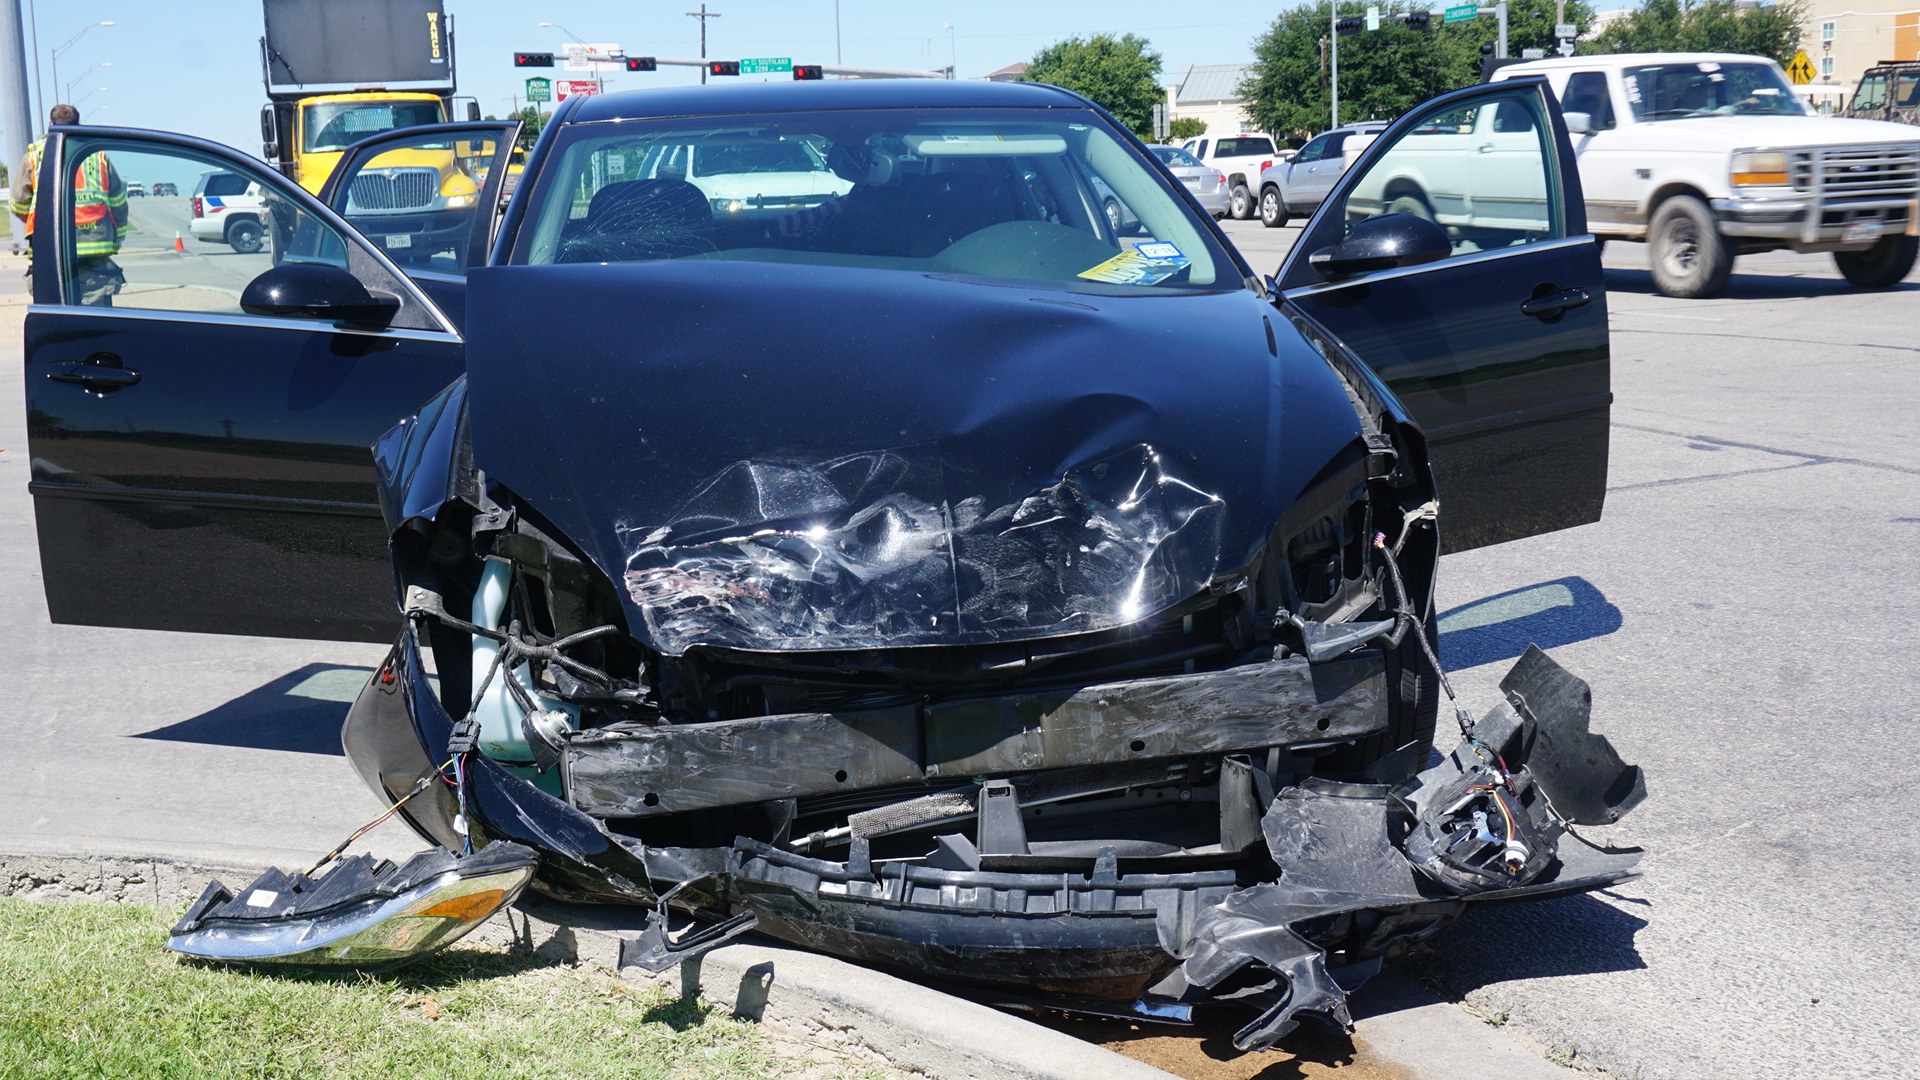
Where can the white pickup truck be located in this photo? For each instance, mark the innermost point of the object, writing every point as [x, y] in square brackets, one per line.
[1709, 155]
[1240, 158]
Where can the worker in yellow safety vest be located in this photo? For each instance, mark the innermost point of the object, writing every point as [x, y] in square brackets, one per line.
[99, 216]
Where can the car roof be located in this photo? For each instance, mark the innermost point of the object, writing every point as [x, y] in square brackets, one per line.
[826, 94]
[1619, 60]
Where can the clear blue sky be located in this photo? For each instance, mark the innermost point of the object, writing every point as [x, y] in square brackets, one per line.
[194, 66]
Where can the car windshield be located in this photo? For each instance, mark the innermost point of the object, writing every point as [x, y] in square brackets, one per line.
[1014, 193]
[339, 125]
[1175, 158]
[1707, 88]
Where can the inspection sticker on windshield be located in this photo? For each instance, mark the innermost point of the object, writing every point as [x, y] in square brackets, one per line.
[1145, 265]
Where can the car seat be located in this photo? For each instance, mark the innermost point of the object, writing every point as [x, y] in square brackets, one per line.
[638, 220]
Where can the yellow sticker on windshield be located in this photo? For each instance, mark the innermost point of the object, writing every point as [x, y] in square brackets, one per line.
[1148, 264]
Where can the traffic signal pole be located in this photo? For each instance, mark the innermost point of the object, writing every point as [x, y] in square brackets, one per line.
[1333, 63]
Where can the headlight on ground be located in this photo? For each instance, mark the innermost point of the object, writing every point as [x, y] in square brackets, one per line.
[1759, 168]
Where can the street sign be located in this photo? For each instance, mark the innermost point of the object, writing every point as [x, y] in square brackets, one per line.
[567, 88]
[1462, 13]
[1160, 120]
[1800, 69]
[1373, 17]
[577, 56]
[772, 65]
[1533, 54]
[1565, 30]
[539, 89]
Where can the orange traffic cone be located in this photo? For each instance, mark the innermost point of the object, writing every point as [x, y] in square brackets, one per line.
[179, 246]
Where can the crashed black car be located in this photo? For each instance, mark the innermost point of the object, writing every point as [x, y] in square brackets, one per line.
[813, 505]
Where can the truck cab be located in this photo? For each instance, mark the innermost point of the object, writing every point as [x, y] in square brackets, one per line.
[1706, 156]
[327, 124]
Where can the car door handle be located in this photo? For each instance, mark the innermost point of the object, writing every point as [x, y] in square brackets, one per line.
[101, 373]
[1484, 148]
[1545, 307]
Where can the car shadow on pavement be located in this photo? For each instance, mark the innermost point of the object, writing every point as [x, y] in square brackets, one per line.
[299, 712]
[1500, 627]
[1573, 935]
[1752, 286]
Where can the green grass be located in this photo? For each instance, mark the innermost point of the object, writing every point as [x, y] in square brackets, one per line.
[87, 991]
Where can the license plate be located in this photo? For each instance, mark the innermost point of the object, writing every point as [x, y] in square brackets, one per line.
[1857, 231]
[1191, 181]
[399, 240]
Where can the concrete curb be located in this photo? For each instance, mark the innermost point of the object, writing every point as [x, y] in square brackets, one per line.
[908, 1026]
[903, 1024]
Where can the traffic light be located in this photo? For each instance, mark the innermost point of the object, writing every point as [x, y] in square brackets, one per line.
[1486, 50]
[806, 72]
[1419, 20]
[1352, 24]
[724, 67]
[641, 63]
[533, 59]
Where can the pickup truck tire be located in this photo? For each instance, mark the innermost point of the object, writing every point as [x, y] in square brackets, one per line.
[1273, 208]
[1885, 263]
[1690, 258]
[1241, 206]
[245, 236]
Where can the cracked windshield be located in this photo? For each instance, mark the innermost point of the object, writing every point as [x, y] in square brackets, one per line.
[1672, 91]
[988, 193]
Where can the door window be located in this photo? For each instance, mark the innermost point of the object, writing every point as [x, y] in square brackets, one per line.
[1482, 172]
[1587, 93]
[1313, 151]
[170, 253]
[1872, 93]
[416, 197]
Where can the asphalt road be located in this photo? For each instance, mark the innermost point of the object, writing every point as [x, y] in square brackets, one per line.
[1745, 613]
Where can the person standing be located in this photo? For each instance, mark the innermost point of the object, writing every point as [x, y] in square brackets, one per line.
[99, 215]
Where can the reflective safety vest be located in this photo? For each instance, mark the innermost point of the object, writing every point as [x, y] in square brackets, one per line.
[99, 208]
[24, 208]
[99, 204]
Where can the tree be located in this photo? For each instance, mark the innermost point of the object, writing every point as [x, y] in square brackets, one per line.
[1186, 127]
[531, 121]
[1118, 74]
[1383, 72]
[1772, 30]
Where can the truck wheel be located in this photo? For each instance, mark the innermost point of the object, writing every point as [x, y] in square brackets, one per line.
[1273, 208]
[1690, 258]
[1241, 207]
[245, 236]
[1884, 264]
[1412, 203]
[1112, 209]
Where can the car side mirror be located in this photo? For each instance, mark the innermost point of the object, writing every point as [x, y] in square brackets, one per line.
[1578, 122]
[473, 110]
[318, 291]
[1382, 243]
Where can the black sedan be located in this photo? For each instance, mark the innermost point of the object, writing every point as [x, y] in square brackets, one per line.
[880, 551]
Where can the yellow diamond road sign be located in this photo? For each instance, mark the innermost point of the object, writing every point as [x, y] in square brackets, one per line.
[1800, 69]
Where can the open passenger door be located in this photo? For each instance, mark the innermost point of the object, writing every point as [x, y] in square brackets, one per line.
[428, 196]
[1453, 259]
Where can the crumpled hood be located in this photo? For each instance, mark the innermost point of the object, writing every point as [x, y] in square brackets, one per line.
[785, 457]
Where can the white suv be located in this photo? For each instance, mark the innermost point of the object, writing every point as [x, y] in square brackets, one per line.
[1708, 155]
[1240, 158]
[227, 209]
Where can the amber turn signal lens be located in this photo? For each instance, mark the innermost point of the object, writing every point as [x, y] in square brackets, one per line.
[471, 906]
[1746, 178]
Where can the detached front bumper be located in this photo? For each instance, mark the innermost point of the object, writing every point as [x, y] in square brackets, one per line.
[1308, 888]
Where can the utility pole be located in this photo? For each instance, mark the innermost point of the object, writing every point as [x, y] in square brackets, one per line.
[703, 16]
[1333, 47]
[15, 113]
[837, 58]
